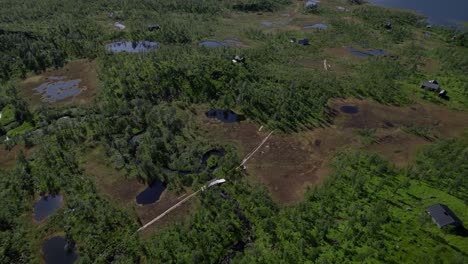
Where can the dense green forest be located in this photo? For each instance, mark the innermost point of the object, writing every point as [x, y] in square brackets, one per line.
[145, 118]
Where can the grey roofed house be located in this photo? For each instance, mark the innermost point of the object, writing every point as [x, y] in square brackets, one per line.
[304, 42]
[443, 216]
[311, 4]
[154, 27]
[431, 85]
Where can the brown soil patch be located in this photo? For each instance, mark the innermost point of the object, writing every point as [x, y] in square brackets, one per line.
[84, 70]
[180, 214]
[287, 165]
[8, 157]
[122, 191]
[109, 181]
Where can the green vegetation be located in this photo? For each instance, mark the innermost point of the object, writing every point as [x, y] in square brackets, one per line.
[144, 122]
[365, 211]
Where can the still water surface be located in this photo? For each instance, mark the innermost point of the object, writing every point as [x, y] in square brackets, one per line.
[442, 12]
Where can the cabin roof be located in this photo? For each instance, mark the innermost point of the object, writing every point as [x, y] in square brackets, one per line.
[429, 84]
[442, 215]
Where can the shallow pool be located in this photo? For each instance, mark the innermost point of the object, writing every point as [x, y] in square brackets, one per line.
[151, 194]
[132, 46]
[57, 250]
[46, 206]
[225, 116]
[348, 109]
[57, 88]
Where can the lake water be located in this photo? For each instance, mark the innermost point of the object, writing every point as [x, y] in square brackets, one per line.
[225, 116]
[132, 46]
[46, 206]
[442, 12]
[152, 193]
[57, 88]
[58, 251]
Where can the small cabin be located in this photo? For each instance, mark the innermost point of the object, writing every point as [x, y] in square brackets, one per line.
[311, 4]
[304, 42]
[432, 85]
[154, 27]
[443, 216]
[238, 59]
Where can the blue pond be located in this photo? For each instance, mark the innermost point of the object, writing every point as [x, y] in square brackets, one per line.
[367, 53]
[316, 26]
[57, 88]
[213, 44]
[46, 206]
[152, 193]
[267, 23]
[57, 250]
[446, 12]
[348, 109]
[225, 116]
[378, 52]
[132, 46]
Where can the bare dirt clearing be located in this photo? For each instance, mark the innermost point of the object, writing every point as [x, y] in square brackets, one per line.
[8, 157]
[287, 165]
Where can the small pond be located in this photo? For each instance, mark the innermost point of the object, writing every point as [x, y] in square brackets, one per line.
[316, 26]
[57, 88]
[57, 250]
[379, 52]
[46, 206]
[275, 24]
[348, 109]
[213, 44]
[356, 52]
[132, 46]
[225, 116]
[267, 23]
[152, 193]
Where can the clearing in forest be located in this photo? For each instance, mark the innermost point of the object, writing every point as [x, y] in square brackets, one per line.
[288, 164]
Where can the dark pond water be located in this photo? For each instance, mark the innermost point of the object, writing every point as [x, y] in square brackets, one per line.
[378, 52]
[317, 26]
[356, 52]
[216, 152]
[367, 53]
[267, 24]
[152, 193]
[132, 46]
[207, 155]
[348, 109]
[46, 206]
[58, 251]
[225, 116]
[213, 44]
[57, 88]
[442, 12]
